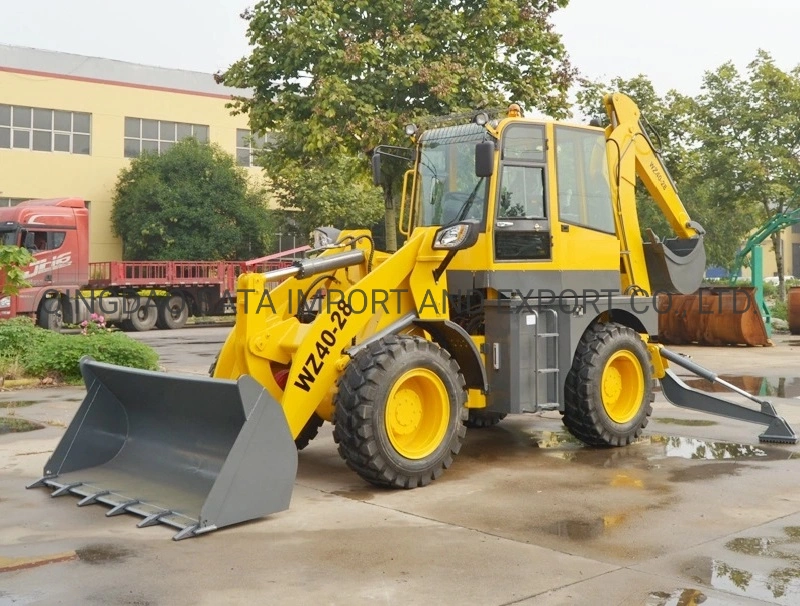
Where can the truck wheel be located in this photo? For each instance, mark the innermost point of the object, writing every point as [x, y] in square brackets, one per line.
[609, 389]
[173, 313]
[478, 418]
[141, 320]
[399, 412]
[50, 315]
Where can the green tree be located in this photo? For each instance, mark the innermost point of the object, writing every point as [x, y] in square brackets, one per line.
[191, 202]
[749, 129]
[334, 192]
[13, 260]
[343, 77]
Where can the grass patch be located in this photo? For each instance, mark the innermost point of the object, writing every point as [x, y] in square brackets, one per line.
[685, 422]
[29, 351]
[14, 425]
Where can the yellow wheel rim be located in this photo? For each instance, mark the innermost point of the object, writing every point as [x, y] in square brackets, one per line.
[417, 413]
[622, 386]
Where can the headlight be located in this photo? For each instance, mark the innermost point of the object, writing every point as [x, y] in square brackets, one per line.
[5, 302]
[456, 237]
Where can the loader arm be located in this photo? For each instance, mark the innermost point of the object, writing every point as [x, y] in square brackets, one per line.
[631, 154]
[358, 304]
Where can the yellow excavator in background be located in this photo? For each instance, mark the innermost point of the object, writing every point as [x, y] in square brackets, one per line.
[524, 285]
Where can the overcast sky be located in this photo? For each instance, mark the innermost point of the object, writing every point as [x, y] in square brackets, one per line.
[673, 42]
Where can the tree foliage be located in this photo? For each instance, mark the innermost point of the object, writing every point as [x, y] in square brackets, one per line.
[191, 203]
[13, 261]
[343, 77]
[750, 131]
[336, 192]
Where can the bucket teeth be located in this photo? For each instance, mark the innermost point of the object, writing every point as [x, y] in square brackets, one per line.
[66, 489]
[153, 519]
[187, 532]
[121, 508]
[92, 498]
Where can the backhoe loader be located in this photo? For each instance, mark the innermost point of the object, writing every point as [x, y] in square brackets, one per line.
[523, 285]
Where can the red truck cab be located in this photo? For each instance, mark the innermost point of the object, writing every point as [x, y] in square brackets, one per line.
[56, 232]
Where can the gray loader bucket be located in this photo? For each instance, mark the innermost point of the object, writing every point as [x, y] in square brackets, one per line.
[675, 265]
[191, 452]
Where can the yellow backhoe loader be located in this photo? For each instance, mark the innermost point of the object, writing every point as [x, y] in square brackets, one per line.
[524, 285]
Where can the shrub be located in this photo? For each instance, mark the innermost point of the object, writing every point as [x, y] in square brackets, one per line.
[42, 352]
[780, 310]
[19, 335]
[61, 354]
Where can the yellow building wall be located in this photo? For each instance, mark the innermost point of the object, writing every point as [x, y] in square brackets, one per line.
[34, 174]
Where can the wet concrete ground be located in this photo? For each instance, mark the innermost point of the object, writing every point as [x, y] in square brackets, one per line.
[696, 512]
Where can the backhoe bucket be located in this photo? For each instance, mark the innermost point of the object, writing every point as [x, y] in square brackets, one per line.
[675, 265]
[191, 452]
[712, 316]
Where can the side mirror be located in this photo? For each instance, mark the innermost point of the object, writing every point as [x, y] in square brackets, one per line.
[377, 177]
[29, 243]
[484, 159]
[457, 237]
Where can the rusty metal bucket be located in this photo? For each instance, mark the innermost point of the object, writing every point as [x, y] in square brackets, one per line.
[712, 316]
[793, 303]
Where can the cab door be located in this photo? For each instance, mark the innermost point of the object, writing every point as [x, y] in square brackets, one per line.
[522, 222]
[585, 236]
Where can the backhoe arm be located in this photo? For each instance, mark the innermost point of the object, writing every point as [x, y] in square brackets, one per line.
[631, 153]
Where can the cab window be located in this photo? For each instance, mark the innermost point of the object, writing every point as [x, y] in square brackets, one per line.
[584, 197]
[521, 193]
[39, 241]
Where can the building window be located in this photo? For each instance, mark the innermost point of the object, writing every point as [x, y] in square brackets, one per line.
[248, 146]
[142, 135]
[48, 130]
[6, 202]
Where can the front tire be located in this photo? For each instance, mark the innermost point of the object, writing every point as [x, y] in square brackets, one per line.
[50, 315]
[480, 419]
[400, 411]
[609, 389]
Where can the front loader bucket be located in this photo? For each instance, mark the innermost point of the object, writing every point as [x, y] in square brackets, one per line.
[712, 316]
[191, 452]
[675, 265]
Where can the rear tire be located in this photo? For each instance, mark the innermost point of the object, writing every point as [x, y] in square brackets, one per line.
[50, 315]
[143, 319]
[609, 389]
[479, 418]
[400, 411]
[173, 313]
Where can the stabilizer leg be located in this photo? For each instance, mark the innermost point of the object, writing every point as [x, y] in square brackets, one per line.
[681, 395]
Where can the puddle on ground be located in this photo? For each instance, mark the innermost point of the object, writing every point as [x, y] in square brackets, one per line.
[103, 553]
[18, 403]
[685, 422]
[781, 387]
[692, 448]
[564, 445]
[680, 597]
[780, 586]
[356, 495]
[773, 575]
[15, 425]
[584, 530]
